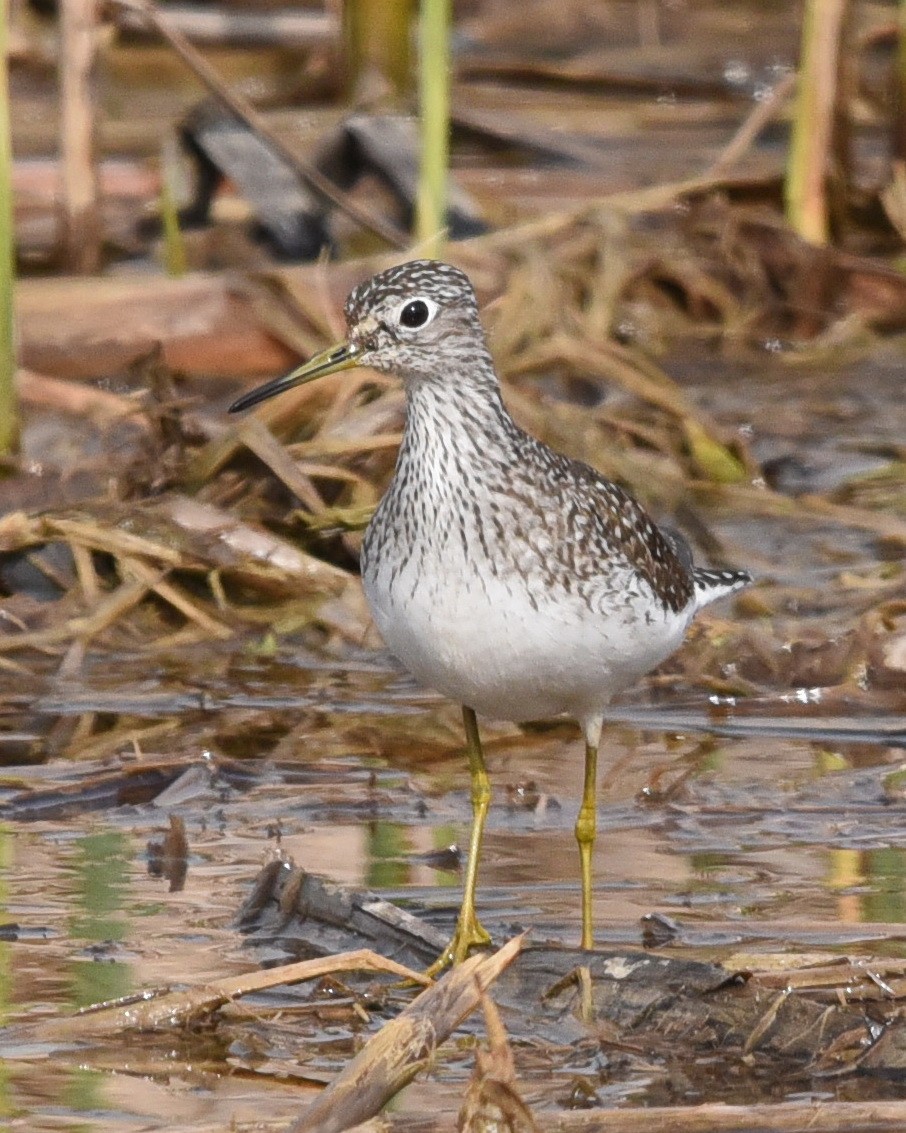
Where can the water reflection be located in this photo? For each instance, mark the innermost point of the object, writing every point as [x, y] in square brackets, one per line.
[873, 884]
[99, 866]
[84, 1092]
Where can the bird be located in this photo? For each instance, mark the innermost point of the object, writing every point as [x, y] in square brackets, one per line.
[512, 579]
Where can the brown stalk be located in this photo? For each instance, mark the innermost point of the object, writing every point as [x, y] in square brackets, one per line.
[174, 597]
[81, 226]
[107, 611]
[256, 437]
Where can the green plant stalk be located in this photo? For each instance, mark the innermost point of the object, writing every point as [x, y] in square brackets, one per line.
[434, 97]
[900, 103]
[378, 35]
[174, 245]
[813, 119]
[9, 406]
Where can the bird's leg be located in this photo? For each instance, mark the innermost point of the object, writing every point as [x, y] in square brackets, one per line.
[469, 932]
[586, 823]
[468, 929]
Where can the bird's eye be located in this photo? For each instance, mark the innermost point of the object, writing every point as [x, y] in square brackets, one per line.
[417, 313]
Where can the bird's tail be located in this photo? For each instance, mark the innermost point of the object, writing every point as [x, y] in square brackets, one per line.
[713, 584]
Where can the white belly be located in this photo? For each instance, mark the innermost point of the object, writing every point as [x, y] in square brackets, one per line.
[482, 643]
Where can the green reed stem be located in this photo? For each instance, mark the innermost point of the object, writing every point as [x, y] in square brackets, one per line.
[9, 405]
[378, 38]
[175, 263]
[899, 130]
[813, 120]
[434, 95]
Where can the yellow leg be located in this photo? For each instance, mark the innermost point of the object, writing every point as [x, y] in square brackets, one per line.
[469, 932]
[586, 823]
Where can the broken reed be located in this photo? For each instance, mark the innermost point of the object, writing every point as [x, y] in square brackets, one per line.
[9, 413]
[434, 107]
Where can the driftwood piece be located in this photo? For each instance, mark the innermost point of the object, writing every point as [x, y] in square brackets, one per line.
[668, 1003]
[82, 328]
[661, 1002]
[289, 215]
[311, 915]
[402, 1047]
[784, 1117]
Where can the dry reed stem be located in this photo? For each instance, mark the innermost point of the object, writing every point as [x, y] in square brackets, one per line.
[90, 534]
[755, 121]
[255, 435]
[112, 607]
[492, 1101]
[336, 447]
[256, 557]
[179, 1008]
[81, 224]
[103, 407]
[313, 401]
[175, 598]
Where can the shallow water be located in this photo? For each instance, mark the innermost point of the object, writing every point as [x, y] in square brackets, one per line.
[760, 823]
[780, 837]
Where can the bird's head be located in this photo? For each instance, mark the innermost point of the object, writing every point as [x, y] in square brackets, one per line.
[418, 320]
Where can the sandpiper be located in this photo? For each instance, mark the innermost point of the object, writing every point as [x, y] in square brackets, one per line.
[517, 582]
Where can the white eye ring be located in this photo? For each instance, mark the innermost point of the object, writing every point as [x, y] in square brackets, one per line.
[414, 314]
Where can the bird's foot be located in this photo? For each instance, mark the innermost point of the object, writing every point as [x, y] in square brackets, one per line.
[469, 934]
